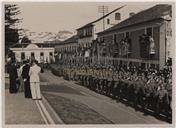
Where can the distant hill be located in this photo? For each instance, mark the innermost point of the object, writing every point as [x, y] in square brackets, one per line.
[46, 36]
[63, 35]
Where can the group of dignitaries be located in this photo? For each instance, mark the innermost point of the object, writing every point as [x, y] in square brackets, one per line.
[24, 76]
[147, 89]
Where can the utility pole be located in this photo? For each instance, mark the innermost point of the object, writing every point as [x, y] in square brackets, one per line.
[103, 9]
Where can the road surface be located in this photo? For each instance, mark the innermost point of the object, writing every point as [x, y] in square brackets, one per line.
[76, 104]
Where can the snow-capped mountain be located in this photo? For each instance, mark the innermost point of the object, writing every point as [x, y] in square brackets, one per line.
[45, 36]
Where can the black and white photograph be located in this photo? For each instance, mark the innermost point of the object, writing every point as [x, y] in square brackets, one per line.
[88, 63]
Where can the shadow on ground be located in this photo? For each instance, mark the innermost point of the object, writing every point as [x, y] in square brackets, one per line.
[73, 112]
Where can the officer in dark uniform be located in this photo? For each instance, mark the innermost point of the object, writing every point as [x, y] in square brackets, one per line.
[162, 99]
[109, 82]
[120, 86]
[99, 80]
[115, 84]
[137, 98]
[169, 105]
[105, 81]
[130, 89]
[147, 92]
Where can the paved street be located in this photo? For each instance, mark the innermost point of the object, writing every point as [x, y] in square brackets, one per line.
[19, 110]
[76, 104]
[69, 103]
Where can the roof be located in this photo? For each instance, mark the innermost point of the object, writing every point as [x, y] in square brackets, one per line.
[73, 39]
[40, 45]
[91, 23]
[53, 41]
[156, 12]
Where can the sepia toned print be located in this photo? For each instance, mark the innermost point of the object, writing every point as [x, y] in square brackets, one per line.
[88, 63]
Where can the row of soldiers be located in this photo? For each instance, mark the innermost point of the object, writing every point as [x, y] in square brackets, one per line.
[148, 89]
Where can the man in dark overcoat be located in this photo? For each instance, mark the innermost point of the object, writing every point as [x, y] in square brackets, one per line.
[26, 78]
[13, 76]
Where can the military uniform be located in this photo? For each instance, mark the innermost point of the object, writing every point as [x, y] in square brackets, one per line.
[162, 99]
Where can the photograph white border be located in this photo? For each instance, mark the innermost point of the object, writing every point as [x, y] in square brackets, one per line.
[2, 74]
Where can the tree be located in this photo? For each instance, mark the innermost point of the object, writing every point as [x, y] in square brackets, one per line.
[11, 32]
[25, 39]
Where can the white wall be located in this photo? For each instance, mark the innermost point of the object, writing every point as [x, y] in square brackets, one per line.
[169, 40]
[36, 50]
[124, 12]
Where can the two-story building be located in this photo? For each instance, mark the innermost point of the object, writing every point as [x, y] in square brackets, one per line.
[88, 33]
[144, 39]
[67, 49]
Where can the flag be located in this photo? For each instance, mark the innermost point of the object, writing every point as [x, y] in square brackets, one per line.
[87, 53]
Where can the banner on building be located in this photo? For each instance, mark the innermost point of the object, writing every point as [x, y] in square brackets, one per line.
[152, 45]
[87, 53]
[144, 46]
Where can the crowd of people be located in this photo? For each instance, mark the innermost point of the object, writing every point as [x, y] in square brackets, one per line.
[24, 76]
[145, 89]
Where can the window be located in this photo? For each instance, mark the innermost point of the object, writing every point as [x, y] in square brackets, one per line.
[115, 38]
[84, 32]
[32, 54]
[22, 55]
[101, 39]
[41, 54]
[90, 32]
[117, 16]
[152, 65]
[149, 31]
[87, 32]
[41, 57]
[51, 54]
[131, 14]
[127, 34]
[108, 21]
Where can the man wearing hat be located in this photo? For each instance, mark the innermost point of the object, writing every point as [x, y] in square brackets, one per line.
[13, 76]
[26, 78]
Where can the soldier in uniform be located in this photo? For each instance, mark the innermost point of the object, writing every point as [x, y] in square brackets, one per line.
[105, 81]
[130, 88]
[109, 82]
[90, 77]
[137, 87]
[99, 80]
[93, 78]
[162, 99]
[147, 92]
[169, 105]
[115, 90]
[120, 86]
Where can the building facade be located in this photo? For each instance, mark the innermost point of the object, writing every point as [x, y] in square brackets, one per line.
[67, 49]
[88, 32]
[43, 53]
[142, 40]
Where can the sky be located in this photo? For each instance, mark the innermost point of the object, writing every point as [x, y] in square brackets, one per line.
[57, 16]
